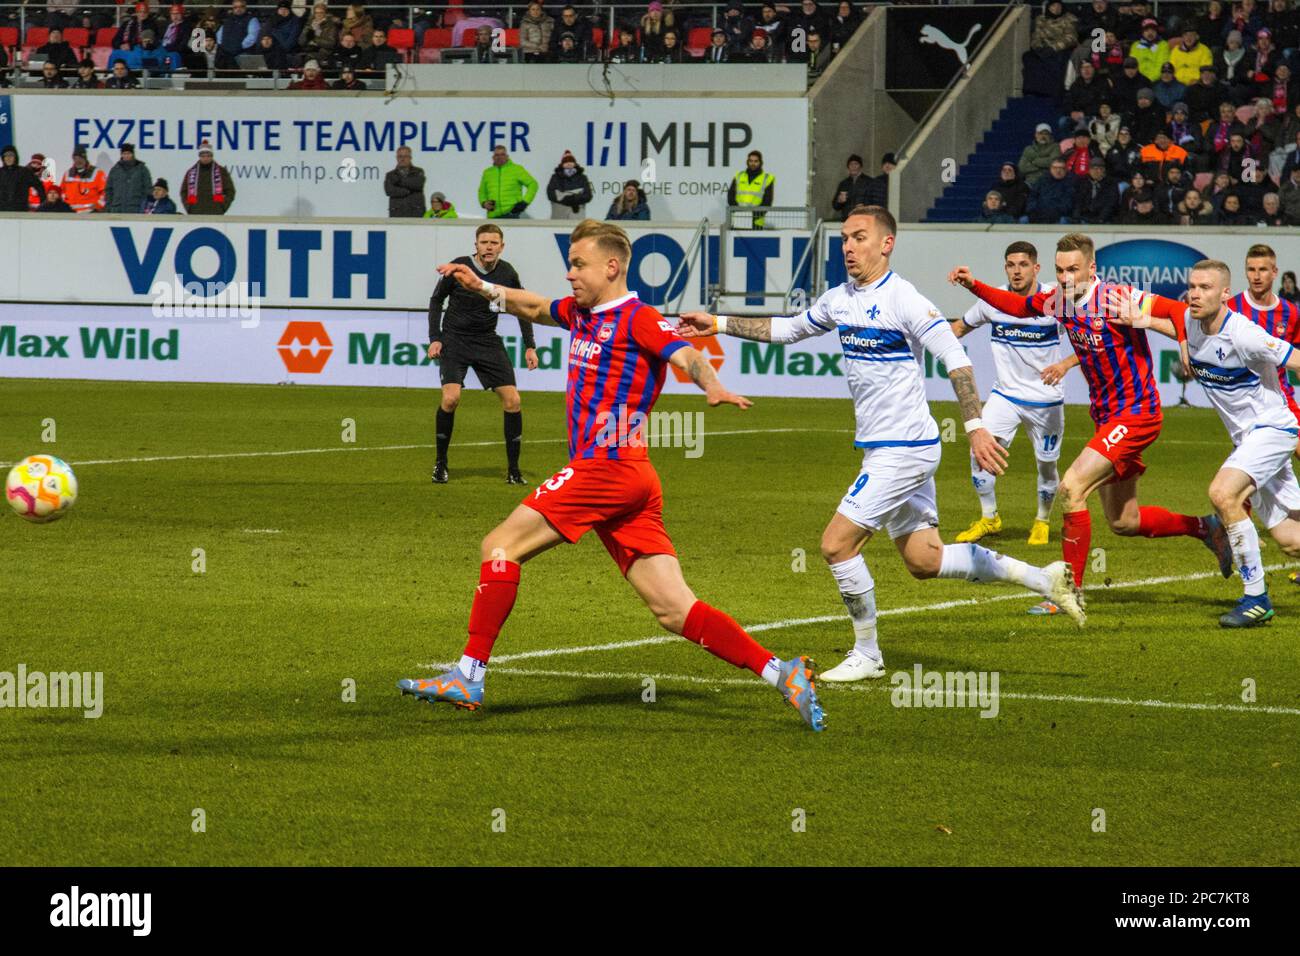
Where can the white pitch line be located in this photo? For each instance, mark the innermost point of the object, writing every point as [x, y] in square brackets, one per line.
[416, 447]
[883, 686]
[829, 618]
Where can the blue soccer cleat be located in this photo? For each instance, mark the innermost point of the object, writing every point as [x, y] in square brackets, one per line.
[1216, 539]
[452, 687]
[797, 687]
[1250, 611]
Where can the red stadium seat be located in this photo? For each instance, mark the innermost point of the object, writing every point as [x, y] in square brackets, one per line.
[78, 37]
[1203, 180]
[104, 37]
[598, 37]
[37, 36]
[1244, 113]
[8, 37]
[453, 14]
[698, 40]
[403, 41]
[437, 38]
[512, 38]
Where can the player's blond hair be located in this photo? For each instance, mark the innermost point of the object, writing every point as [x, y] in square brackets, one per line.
[1260, 251]
[1077, 242]
[609, 238]
[1214, 265]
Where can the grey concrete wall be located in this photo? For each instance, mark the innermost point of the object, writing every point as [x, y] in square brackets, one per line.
[952, 132]
[852, 113]
[625, 79]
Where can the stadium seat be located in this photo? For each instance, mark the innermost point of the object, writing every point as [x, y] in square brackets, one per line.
[598, 37]
[454, 13]
[512, 37]
[104, 37]
[697, 41]
[1067, 144]
[1203, 180]
[1244, 113]
[403, 41]
[8, 37]
[437, 38]
[77, 37]
[37, 36]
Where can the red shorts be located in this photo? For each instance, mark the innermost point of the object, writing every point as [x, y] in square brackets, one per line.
[1122, 440]
[621, 500]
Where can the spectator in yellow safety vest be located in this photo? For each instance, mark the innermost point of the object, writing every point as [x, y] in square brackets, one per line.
[84, 185]
[752, 186]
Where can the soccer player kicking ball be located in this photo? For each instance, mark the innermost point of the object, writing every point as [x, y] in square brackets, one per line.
[1125, 403]
[619, 351]
[1238, 362]
[1028, 392]
[884, 324]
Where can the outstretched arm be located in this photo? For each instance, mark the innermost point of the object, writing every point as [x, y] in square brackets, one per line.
[696, 364]
[778, 328]
[1002, 300]
[522, 304]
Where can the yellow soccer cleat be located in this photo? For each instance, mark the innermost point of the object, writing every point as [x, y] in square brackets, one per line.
[979, 528]
[1039, 533]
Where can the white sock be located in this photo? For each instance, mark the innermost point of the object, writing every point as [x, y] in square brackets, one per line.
[985, 483]
[1047, 485]
[1245, 551]
[772, 671]
[471, 667]
[858, 591]
[980, 565]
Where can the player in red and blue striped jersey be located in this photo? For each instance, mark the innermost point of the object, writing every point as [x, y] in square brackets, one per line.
[619, 351]
[1275, 315]
[1125, 403]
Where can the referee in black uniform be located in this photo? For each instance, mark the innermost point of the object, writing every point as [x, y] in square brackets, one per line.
[468, 339]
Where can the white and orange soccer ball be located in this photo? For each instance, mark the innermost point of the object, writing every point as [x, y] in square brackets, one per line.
[41, 488]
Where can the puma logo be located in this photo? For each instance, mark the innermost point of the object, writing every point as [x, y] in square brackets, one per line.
[936, 37]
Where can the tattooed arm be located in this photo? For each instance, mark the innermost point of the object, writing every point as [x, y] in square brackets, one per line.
[780, 328]
[696, 364]
[991, 456]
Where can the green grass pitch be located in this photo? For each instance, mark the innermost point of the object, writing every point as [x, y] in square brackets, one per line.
[224, 689]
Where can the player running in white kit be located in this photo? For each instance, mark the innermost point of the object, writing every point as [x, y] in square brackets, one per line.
[883, 325]
[1238, 362]
[1028, 392]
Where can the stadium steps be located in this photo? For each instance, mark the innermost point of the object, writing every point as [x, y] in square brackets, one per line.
[1002, 142]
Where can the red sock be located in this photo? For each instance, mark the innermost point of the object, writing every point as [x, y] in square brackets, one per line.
[493, 599]
[1076, 542]
[1158, 523]
[719, 634]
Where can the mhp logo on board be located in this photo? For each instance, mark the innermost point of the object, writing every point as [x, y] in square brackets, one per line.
[1153, 265]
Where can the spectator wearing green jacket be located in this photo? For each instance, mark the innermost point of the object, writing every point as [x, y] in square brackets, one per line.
[439, 208]
[506, 188]
[1150, 51]
[1037, 157]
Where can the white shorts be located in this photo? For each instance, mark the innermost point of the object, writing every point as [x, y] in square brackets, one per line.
[1045, 424]
[895, 490]
[1265, 455]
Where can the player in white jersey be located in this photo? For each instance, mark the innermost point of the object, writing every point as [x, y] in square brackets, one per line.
[1238, 362]
[1028, 392]
[884, 324]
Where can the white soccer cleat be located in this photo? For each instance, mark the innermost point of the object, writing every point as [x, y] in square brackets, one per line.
[1063, 594]
[856, 666]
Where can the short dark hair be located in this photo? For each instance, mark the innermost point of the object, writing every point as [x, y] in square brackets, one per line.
[854, 158]
[1025, 248]
[880, 214]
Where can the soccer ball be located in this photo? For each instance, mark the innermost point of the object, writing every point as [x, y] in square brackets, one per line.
[41, 488]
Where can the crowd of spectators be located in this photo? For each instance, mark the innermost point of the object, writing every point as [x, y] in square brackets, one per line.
[351, 49]
[1193, 119]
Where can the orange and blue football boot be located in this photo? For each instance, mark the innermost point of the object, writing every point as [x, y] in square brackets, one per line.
[452, 687]
[797, 687]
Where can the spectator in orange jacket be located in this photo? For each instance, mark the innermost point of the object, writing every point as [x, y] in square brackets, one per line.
[1158, 156]
[84, 185]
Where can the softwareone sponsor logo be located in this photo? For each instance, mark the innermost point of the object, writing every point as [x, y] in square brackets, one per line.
[77, 909]
[67, 690]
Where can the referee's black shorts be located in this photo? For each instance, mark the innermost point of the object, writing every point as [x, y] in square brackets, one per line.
[486, 356]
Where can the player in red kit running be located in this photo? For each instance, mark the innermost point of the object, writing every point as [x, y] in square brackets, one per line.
[1125, 403]
[1275, 315]
[619, 352]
